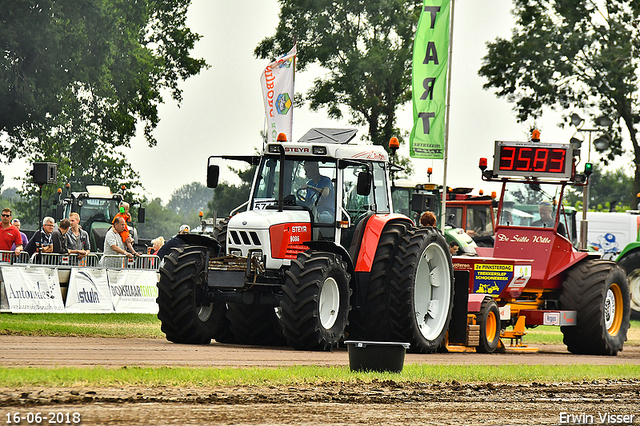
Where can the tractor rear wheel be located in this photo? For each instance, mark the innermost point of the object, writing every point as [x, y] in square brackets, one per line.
[255, 325]
[183, 318]
[315, 304]
[631, 263]
[372, 322]
[597, 289]
[422, 290]
[489, 322]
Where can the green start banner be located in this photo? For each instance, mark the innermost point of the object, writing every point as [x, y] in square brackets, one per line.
[429, 80]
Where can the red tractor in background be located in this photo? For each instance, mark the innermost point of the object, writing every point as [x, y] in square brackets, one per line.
[473, 213]
[533, 275]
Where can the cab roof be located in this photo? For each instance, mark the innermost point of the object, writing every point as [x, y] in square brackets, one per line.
[330, 143]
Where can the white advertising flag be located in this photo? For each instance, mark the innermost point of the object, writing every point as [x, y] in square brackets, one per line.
[88, 291]
[133, 291]
[32, 289]
[277, 89]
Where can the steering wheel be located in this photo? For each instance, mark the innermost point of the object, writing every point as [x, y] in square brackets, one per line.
[301, 193]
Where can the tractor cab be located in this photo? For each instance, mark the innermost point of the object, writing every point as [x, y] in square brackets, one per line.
[319, 189]
[412, 198]
[97, 206]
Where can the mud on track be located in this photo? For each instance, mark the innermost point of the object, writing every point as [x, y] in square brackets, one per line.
[388, 402]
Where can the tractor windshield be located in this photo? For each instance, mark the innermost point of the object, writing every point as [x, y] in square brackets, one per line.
[308, 182]
[532, 205]
[94, 210]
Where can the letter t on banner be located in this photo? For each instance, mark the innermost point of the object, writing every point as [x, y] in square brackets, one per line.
[278, 89]
[429, 80]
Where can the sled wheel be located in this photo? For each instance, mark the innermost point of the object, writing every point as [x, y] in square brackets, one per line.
[489, 322]
[255, 325]
[422, 290]
[183, 318]
[598, 290]
[372, 322]
[315, 303]
[631, 263]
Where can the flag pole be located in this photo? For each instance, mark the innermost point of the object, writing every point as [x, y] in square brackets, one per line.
[443, 212]
[293, 95]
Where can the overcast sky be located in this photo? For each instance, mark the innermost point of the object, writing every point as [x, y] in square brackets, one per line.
[222, 109]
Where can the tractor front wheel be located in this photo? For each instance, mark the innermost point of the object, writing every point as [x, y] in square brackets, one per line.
[489, 322]
[422, 290]
[597, 289]
[315, 304]
[631, 263]
[183, 318]
[220, 235]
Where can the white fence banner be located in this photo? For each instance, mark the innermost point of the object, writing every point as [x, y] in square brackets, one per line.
[88, 291]
[133, 291]
[32, 289]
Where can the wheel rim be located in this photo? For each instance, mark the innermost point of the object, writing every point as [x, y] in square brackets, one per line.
[329, 303]
[432, 295]
[613, 309]
[490, 326]
[204, 312]
[634, 289]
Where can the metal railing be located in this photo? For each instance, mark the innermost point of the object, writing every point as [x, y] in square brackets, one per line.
[92, 260]
[56, 259]
[119, 261]
[9, 257]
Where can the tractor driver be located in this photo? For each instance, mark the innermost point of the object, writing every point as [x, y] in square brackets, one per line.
[546, 218]
[325, 192]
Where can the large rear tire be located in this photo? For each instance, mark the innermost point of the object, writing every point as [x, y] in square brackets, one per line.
[183, 318]
[631, 263]
[422, 290]
[489, 322]
[315, 304]
[373, 322]
[597, 289]
[255, 325]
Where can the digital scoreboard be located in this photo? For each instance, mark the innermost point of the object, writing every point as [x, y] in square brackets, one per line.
[533, 159]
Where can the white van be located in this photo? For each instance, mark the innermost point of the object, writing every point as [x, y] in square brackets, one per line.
[610, 232]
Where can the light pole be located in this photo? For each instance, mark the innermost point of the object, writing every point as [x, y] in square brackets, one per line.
[601, 143]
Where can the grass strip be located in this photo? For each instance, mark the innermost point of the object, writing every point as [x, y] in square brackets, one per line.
[82, 325]
[209, 377]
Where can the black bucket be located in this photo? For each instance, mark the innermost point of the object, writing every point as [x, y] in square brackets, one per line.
[376, 356]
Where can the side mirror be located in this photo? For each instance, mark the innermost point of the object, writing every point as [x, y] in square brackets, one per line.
[141, 214]
[213, 173]
[364, 183]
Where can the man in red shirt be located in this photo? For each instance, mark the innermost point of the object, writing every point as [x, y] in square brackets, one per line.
[9, 234]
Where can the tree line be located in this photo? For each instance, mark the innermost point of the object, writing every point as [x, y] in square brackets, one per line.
[77, 78]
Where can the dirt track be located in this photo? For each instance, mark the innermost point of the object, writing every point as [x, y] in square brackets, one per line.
[75, 351]
[393, 403]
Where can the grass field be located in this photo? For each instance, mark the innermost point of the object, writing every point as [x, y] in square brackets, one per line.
[148, 326]
[228, 376]
[85, 325]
